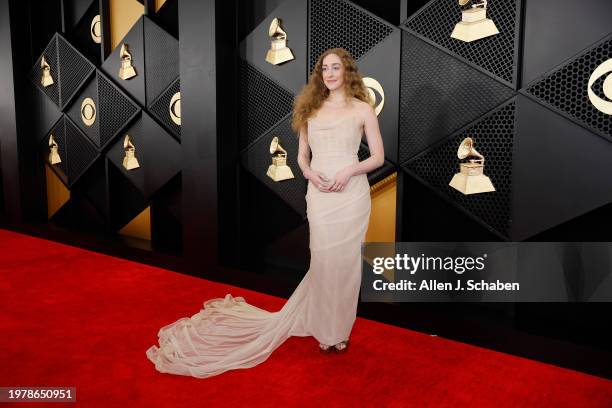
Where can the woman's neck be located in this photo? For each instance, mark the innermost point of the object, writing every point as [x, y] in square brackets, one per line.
[337, 95]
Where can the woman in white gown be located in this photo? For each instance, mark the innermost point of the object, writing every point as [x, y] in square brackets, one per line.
[330, 115]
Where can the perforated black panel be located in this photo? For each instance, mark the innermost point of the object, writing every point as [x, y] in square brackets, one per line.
[337, 23]
[74, 70]
[115, 109]
[495, 54]
[50, 54]
[161, 58]
[436, 102]
[90, 90]
[80, 34]
[493, 138]
[81, 152]
[257, 159]
[161, 108]
[263, 103]
[566, 89]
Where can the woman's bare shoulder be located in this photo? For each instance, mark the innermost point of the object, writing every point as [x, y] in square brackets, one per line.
[361, 107]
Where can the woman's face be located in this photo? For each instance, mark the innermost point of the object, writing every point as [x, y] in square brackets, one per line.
[332, 71]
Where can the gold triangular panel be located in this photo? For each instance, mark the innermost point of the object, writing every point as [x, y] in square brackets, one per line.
[139, 227]
[57, 193]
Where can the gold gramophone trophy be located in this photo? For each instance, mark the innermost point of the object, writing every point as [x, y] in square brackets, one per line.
[129, 161]
[46, 79]
[127, 70]
[278, 52]
[474, 23]
[54, 156]
[279, 170]
[471, 178]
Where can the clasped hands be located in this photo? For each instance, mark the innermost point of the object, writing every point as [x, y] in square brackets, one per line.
[336, 184]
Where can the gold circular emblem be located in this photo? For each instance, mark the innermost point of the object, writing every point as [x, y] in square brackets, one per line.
[96, 32]
[374, 85]
[88, 111]
[598, 102]
[175, 108]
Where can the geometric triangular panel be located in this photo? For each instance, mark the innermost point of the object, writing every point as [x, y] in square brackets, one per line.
[555, 37]
[559, 170]
[493, 137]
[57, 193]
[79, 31]
[80, 151]
[125, 200]
[337, 23]
[79, 214]
[113, 109]
[50, 54]
[161, 59]
[93, 185]
[74, 69]
[263, 103]
[566, 89]
[74, 12]
[135, 86]
[76, 111]
[59, 135]
[158, 155]
[68, 68]
[436, 102]
[116, 109]
[75, 150]
[254, 48]
[166, 15]
[388, 76]
[43, 114]
[495, 54]
[139, 227]
[161, 108]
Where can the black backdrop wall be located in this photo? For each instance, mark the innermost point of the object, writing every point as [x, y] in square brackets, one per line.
[521, 95]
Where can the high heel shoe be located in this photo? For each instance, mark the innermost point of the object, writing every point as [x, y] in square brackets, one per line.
[323, 348]
[341, 347]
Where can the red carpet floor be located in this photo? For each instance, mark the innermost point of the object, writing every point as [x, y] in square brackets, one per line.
[71, 317]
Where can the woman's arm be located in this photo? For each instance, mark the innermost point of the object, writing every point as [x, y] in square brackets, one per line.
[303, 157]
[375, 143]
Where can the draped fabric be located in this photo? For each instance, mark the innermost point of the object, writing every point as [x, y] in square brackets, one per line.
[229, 333]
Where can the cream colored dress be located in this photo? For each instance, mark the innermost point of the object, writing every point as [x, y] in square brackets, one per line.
[229, 333]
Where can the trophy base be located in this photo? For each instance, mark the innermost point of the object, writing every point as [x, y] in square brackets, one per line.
[471, 184]
[475, 30]
[130, 163]
[279, 173]
[46, 81]
[276, 57]
[127, 73]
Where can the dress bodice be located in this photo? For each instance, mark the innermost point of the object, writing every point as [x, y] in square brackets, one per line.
[336, 138]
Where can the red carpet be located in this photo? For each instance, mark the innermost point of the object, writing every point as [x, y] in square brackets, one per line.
[71, 317]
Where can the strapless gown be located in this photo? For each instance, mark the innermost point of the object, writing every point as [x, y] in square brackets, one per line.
[229, 333]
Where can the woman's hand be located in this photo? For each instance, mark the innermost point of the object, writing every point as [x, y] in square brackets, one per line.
[318, 179]
[341, 179]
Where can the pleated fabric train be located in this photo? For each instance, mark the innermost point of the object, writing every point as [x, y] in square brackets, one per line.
[229, 333]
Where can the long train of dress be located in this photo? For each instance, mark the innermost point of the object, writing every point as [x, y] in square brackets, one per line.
[229, 333]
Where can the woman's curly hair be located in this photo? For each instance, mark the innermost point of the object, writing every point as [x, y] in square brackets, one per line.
[314, 92]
